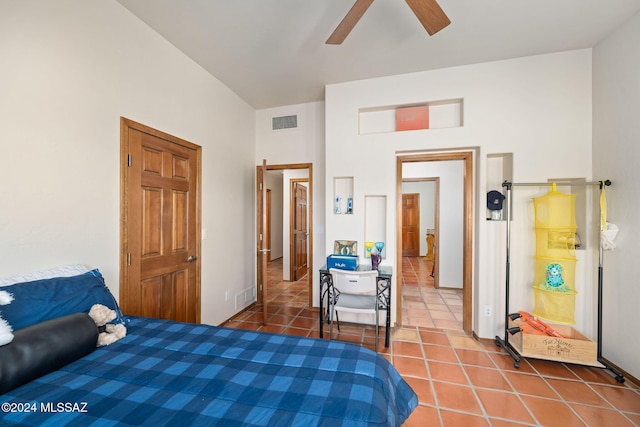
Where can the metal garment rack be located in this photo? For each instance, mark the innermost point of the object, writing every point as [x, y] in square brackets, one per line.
[504, 342]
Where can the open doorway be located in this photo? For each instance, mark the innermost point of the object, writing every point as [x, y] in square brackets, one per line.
[447, 237]
[288, 224]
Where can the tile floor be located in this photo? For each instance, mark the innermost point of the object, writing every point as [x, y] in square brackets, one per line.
[461, 381]
[423, 304]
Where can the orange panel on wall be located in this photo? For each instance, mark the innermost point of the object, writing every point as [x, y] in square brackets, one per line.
[411, 118]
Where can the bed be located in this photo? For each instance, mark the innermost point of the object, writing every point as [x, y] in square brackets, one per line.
[170, 373]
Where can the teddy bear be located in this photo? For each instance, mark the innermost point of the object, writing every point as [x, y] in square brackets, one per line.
[108, 333]
[554, 275]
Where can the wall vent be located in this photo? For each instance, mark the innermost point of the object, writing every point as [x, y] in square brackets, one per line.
[284, 122]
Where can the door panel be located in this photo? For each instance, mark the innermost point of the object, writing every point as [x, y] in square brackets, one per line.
[410, 224]
[262, 244]
[161, 211]
[300, 231]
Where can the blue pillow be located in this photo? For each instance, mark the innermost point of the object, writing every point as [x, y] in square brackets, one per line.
[41, 300]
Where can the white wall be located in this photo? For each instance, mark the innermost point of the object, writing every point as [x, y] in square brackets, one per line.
[451, 207]
[304, 144]
[616, 149]
[70, 70]
[275, 184]
[538, 108]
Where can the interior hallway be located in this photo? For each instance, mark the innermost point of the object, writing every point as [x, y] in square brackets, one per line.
[423, 304]
[461, 381]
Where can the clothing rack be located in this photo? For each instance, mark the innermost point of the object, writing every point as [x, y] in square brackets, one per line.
[504, 342]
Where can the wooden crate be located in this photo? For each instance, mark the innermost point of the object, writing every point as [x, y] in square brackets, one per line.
[573, 348]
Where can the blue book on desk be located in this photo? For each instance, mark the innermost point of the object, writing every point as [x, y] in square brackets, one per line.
[343, 262]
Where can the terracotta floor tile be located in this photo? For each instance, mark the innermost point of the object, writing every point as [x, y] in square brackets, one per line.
[473, 357]
[275, 329]
[577, 391]
[304, 322]
[552, 369]
[459, 341]
[500, 404]
[505, 362]
[422, 387]
[410, 366]
[552, 413]
[505, 423]
[456, 397]
[635, 418]
[595, 416]
[487, 378]
[446, 323]
[280, 319]
[450, 418]
[530, 384]
[403, 348]
[423, 416]
[405, 334]
[440, 353]
[622, 398]
[593, 375]
[296, 331]
[449, 372]
[430, 337]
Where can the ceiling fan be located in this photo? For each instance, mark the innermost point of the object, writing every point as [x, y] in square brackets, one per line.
[428, 12]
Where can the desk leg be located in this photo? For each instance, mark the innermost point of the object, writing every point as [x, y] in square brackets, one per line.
[388, 329]
[325, 282]
[384, 299]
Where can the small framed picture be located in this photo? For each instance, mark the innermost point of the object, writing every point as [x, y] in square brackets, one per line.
[345, 247]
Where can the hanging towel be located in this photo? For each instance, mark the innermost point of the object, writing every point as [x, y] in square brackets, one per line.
[608, 231]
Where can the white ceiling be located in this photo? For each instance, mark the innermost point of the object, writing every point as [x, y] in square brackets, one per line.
[273, 52]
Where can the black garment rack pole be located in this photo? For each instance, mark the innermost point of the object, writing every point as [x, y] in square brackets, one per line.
[504, 342]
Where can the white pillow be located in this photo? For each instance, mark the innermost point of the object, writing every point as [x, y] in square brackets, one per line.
[5, 328]
[64, 271]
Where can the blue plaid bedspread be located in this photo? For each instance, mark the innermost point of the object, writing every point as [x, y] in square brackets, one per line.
[169, 373]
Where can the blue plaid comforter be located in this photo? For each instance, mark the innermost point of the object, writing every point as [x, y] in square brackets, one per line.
[169, 373]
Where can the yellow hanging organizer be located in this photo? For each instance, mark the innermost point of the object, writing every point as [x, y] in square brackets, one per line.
[555, 266]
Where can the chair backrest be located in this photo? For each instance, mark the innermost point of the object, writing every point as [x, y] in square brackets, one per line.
[355, 282]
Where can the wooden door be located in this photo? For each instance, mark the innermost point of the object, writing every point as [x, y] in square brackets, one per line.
[262, 243]
[300, 230]
[411, 224]
[160, 266]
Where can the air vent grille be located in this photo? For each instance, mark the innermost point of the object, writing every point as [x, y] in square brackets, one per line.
[285, 122]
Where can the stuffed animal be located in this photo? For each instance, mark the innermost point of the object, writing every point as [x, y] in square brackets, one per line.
[554, 275]
[6, 335]
[108, 333]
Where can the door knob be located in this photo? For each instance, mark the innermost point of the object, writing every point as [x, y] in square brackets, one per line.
[192, 258]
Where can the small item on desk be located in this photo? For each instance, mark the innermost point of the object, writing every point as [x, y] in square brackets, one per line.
[343, 262]
[376, 258]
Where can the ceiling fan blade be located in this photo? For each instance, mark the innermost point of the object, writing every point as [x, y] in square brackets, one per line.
[349, 21]
[430, 15]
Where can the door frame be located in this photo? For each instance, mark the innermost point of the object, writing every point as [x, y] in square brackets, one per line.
[125, 125]
[467, 247]
[309, 167]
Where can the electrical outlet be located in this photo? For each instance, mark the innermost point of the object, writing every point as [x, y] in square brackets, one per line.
[226, 295]
[488, 311]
